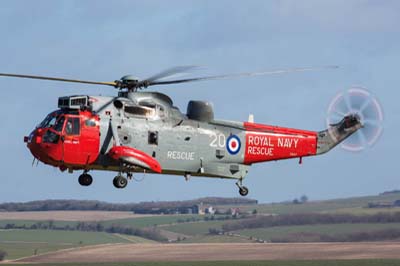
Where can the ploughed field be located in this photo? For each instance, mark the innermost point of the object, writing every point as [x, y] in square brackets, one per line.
[220, 252]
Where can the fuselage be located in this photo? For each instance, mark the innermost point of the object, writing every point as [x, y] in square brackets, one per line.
[81, 138]
[82, 132]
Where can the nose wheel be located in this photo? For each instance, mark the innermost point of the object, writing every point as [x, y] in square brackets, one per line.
[120, 181]
[85, 180]
[243, 191]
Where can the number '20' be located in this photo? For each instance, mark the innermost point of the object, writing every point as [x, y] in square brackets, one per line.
[218, 141]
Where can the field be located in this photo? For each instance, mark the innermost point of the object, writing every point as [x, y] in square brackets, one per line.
[195, 228]
[22, 243]
[68, 215]
[191, 234]
[328, 229]
[220, 251]
[217, 239]
[349, 205]
[141, 222]
[369, 262]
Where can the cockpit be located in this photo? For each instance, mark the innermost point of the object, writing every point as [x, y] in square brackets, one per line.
[66, 137]
[62, 122]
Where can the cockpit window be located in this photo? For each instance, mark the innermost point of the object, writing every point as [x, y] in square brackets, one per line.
[49, 121]
[59, 124]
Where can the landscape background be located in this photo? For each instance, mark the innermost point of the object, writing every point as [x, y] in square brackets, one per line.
[43, 227]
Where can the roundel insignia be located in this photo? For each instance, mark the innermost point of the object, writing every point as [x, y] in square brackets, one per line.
[233, 144]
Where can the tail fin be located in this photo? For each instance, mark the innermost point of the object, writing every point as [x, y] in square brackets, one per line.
[336, 133]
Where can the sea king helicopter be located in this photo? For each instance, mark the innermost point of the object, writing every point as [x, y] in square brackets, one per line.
[141, 131]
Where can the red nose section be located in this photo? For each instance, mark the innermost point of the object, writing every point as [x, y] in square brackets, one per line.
[135, 157]
[73, 141]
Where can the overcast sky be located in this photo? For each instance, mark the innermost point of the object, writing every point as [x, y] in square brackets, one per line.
[104, 40]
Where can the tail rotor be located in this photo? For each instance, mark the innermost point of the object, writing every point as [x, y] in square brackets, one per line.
[361, 103]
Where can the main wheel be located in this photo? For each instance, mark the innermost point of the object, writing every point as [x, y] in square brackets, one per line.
[243, 191]
[120, 181]
[85, 180]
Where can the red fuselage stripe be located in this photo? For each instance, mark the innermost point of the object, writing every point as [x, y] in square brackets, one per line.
[267, 143]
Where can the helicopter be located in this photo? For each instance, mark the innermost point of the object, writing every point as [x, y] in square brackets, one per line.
[143, 132]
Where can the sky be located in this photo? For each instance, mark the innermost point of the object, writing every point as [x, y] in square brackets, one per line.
[104, 40]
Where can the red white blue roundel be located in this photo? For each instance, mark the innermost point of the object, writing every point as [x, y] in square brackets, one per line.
[233, 144]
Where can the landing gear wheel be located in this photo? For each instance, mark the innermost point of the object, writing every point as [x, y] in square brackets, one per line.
[243, 191]
[120, 181]
[85, 180]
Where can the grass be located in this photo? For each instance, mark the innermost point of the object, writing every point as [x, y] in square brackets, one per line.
[138, 222]
[344, 205]
[195, 228]
[19, 250]
[21, 243]
[28, 223]
[370, 262]
[141, 222]
[56, 237]
[329, 229]
[135, 239]
[216, 239]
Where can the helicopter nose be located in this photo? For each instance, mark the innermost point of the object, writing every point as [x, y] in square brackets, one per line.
[33, 142]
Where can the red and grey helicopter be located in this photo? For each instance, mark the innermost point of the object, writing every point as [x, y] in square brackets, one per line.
[139, 131]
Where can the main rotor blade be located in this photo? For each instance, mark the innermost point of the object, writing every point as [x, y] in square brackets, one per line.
[170, 72]
[59, 79]
[238, 75]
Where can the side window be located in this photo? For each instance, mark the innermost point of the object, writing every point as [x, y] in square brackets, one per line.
[153, 138]
[160, 110]
[73, 126]
[90, 123]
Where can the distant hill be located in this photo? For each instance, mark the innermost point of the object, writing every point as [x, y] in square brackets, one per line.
[352, 205]
[141, 207]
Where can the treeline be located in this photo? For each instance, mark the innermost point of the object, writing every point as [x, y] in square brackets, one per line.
[377, 235]
[149, 233]
[307, 219]
[142, 207]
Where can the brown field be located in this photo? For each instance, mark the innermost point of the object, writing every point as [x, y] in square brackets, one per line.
[215, 252]
[68, 215]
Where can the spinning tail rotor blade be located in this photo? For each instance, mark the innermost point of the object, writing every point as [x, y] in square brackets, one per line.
[358, 101]
[58, 79]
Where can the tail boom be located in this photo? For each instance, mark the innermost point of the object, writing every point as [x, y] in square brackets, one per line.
[269, 143]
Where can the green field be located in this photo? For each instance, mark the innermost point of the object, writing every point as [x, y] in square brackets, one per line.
[152, 220]
[138, 222]
[216, 239]
[195, 228]
[21, 243]
[28, 223]
[374, 262]
[349, 205]
[329, 229]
